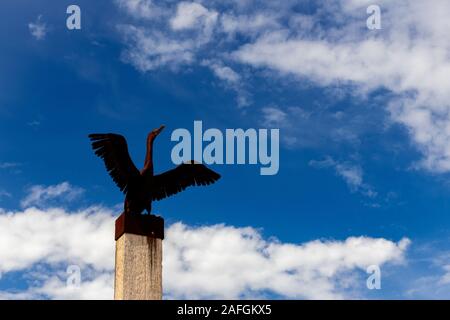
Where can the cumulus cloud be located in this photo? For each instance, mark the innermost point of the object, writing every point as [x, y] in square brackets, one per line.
[227, 262]
[99, 286]
[199, 262]
[38, 29]
[351, 173]
[47, 285]
[55, 236]
[39, 195]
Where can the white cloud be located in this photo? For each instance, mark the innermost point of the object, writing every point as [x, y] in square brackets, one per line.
[319, 125]
[227, 262]
[9, 165]
[230, 79]
[38, 29]
[150, 50]
[435, 282]
[224, 72]
[50, 286]
[34, 123]
[192, 15]
[4, 193]
[351, 173]
[140, 8]
[175, 40]
[252, 25]
[38, 195]
[409, 57]
[442, 261]
[55, 236]
[199, 262]
[101, 286]
[274, 116]
[445, 279]
[329, 48]
[43, 243]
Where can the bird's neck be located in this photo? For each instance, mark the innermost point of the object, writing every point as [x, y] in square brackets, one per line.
[148, 165]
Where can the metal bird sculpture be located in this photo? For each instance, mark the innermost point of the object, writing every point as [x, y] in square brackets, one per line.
[142, 187]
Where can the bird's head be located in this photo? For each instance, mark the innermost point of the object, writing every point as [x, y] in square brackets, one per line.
[155, 132]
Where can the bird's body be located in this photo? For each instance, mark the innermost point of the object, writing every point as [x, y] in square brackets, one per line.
[139, 195]
[142, 187]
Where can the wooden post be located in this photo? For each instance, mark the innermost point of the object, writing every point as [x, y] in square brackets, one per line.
[138, 274]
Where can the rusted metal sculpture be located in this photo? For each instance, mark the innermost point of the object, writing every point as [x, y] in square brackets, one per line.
[142, 187]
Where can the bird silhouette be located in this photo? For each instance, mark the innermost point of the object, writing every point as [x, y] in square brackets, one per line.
[142, 187]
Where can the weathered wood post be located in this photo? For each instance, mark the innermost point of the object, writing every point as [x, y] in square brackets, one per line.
[138, 272]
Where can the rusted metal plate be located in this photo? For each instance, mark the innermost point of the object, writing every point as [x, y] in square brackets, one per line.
[145, 225]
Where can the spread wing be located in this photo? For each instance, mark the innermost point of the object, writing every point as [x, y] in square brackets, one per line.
[183, 176]
[113, 149]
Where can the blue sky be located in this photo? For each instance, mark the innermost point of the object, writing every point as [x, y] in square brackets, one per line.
[363, 119]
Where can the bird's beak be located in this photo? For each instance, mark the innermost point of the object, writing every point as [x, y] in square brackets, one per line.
[158, 131]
